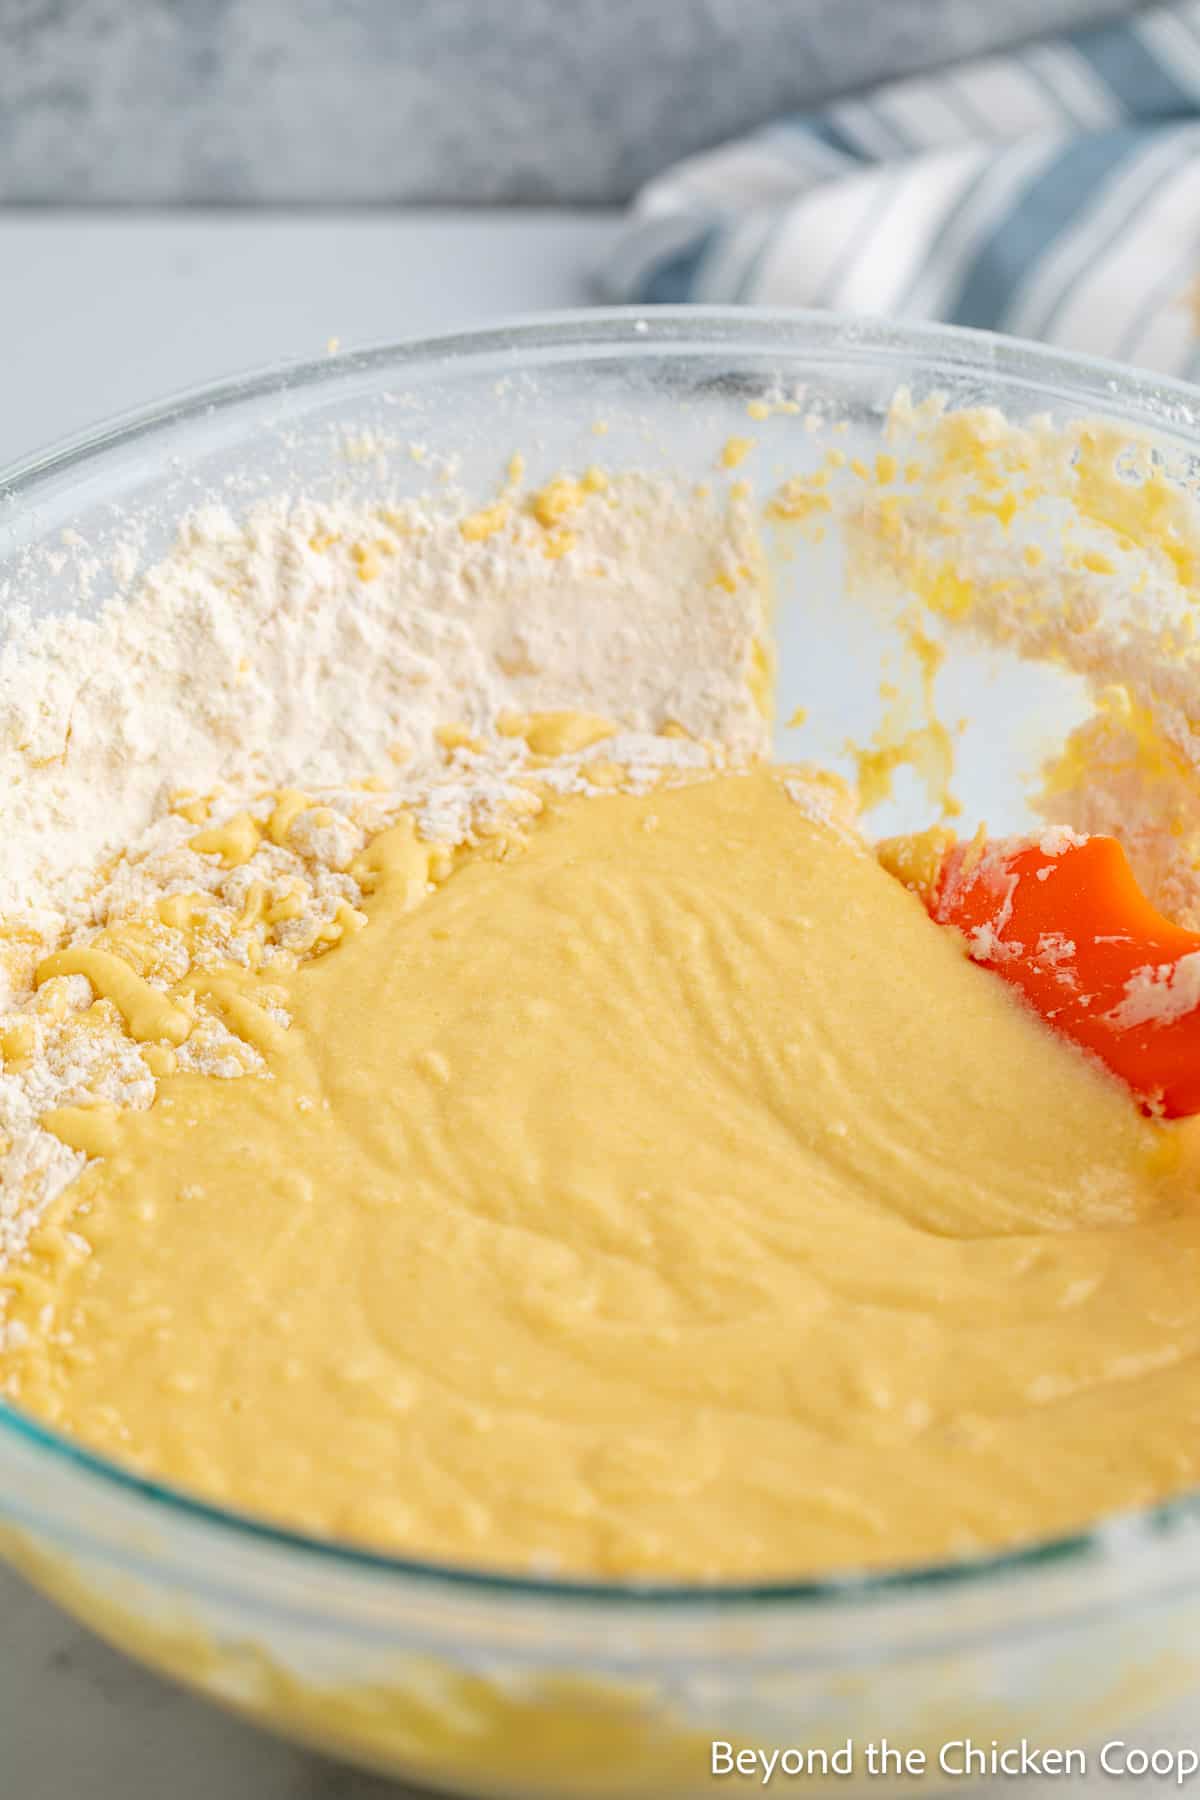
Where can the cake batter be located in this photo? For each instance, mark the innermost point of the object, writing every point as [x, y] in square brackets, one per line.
[652, 1189]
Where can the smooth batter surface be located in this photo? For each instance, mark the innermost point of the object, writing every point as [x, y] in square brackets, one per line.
[662, 1193]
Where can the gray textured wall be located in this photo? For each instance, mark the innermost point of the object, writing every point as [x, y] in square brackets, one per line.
[435, 100]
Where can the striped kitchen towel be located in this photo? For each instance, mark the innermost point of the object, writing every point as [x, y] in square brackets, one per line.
[1053, 192]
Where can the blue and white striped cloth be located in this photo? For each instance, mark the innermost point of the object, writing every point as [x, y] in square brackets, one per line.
[1052, 192]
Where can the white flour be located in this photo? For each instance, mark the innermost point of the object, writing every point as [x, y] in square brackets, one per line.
[313, 644]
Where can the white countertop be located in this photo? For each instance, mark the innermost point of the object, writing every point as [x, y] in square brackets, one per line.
[103, 312]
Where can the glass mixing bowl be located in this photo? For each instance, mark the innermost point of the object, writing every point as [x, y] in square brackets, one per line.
[524, 1687]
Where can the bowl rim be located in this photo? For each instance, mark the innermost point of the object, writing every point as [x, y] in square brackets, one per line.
[1160, 401]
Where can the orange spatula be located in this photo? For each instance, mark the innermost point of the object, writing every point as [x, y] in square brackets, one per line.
[1065, 922]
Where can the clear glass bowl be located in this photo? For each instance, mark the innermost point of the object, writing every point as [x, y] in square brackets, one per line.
[524, 1687]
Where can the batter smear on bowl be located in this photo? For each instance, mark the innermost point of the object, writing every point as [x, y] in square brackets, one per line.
[460, 1097]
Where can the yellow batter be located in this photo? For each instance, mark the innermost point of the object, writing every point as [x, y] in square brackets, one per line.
[662, 1193]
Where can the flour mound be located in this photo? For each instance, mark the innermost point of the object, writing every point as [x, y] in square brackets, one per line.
[313, 644]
